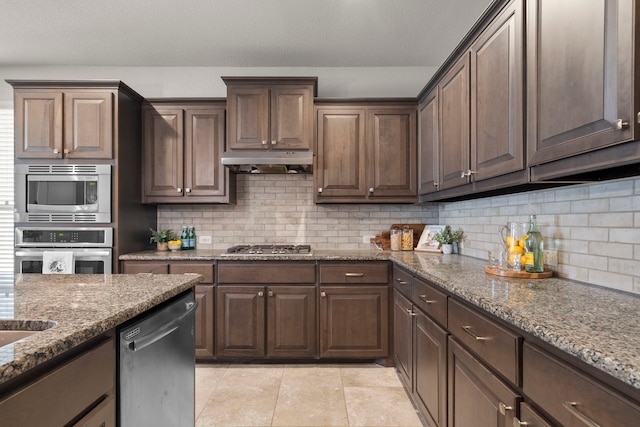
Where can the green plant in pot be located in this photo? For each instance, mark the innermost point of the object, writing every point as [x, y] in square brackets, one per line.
[447, 238]
[161, 237]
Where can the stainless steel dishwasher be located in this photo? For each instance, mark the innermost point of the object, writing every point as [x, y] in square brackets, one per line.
[157, 367]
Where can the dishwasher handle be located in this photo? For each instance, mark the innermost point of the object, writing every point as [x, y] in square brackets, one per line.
[164, 330]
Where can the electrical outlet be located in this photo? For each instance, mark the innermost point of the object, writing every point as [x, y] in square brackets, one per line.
[367, 238]
[551, 257]
[205, 240]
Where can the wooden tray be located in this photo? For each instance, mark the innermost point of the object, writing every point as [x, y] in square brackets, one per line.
[517, 274]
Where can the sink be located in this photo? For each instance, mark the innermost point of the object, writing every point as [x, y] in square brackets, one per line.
[14, 330]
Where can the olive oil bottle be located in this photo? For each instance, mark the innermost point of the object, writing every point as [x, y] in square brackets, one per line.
[534, 247]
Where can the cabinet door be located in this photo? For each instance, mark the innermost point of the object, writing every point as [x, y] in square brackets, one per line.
[291, 118]
[476, 396]
[88, 125]
[497, 81]
[354, 321]
[291, 322]
[428, 145]
[454, 125]
[430, 369]
[204, 322]
[248, 117]
[163, 152]
[240, 321]
[403, 338]
[341, 168]
[38, 124]
[579, 76]
[392, 149]
[204, 143]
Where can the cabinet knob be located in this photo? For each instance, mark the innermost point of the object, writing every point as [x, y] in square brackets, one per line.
[260, 294]
[371, 190]
[56, 151]
[187, 190]
[436, 184]
[264, 142]
[179, 189]
[467, 173]
[273, 142]
[504, 408]
[323, 294]
[270, 293]
[620, 124]
[66, 151]
[319, 189]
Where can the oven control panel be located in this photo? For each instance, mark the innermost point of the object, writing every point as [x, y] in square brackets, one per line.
[64, 237]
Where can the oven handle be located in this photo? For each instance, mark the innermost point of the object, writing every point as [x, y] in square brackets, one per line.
[32, 252]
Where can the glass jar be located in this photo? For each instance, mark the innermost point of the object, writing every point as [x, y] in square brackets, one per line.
[407, 239]
[396, 239]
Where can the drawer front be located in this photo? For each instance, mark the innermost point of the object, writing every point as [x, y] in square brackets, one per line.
[430, 300]
[571, 397]
[204, 269]
[355, 272]
[403, 282]
[529, 417]
[135, 267]
[494, 344]
[267, 272]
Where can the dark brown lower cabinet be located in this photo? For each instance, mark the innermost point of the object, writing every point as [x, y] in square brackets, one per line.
[266, 321]
[78, 392]
[477, 397]
[204, 322]
[354, 321]
[420, 350]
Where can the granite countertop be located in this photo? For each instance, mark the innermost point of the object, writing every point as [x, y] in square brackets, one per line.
[81, 306]
[597, 325]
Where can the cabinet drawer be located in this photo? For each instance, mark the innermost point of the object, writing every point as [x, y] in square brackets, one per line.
[430, 300]
[267, 272]
[403, 282]
[103, 415]
[355, 272]
[135, 267]
[66, 392]
[498, 346]
[571, 397]
[204, 269]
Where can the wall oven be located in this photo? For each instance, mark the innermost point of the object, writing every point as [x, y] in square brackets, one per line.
[75, 193]
[91, 248]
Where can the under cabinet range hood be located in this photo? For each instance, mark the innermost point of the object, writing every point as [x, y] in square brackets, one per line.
[258, 161]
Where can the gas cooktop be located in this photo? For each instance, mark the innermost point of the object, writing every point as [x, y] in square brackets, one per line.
[269, 250]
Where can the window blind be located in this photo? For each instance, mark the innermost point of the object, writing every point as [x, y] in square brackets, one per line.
[6, 191]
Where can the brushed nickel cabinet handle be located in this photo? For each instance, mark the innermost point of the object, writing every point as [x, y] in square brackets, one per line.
[274, 142]
[371, 190]
[270, 293]
[323, 294]
[264, 142]
[504, 408]
[354, 274]
[402, 282]
[56, 151]
[620, 124]
[468, 330]
[411, 312]
[179, 190]
[573, 408]
[436, 184]
[66, 151]
[319, 189]
[260, 294]
[187, 190]
[428, 301]
[518, 423]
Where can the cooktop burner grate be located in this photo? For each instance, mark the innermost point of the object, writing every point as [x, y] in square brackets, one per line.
[269, 250]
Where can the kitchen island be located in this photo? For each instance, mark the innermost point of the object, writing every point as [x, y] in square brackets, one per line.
[79, 315]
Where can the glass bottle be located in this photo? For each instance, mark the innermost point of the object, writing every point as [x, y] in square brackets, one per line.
[534, 246]
[184, 238]
[192, 237]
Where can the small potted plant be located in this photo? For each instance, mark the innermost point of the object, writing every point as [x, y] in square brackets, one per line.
[457, 235]
[162, 237]
[446, 239]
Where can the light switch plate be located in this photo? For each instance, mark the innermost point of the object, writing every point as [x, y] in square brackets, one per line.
[205, 240]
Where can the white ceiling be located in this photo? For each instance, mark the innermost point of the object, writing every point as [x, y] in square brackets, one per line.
[233, 33]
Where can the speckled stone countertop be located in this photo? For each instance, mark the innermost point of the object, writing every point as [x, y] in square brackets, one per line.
[82, 306]
[598, 326]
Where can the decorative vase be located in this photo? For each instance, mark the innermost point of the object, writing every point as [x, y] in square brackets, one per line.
[447, 248]
[455, 247]
[163, 246]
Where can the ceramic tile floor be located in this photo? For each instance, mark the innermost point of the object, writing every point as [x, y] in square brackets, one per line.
[301, 395]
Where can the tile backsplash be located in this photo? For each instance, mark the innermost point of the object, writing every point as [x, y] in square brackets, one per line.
[594, 227]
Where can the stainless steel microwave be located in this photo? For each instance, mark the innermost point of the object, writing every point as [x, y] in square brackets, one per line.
[69, 193]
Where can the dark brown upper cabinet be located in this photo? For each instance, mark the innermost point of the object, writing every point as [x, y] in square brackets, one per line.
[53, 122]
[366, 152]
[580, 78]
[183, 143]
[270, 113]
[428, 145]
